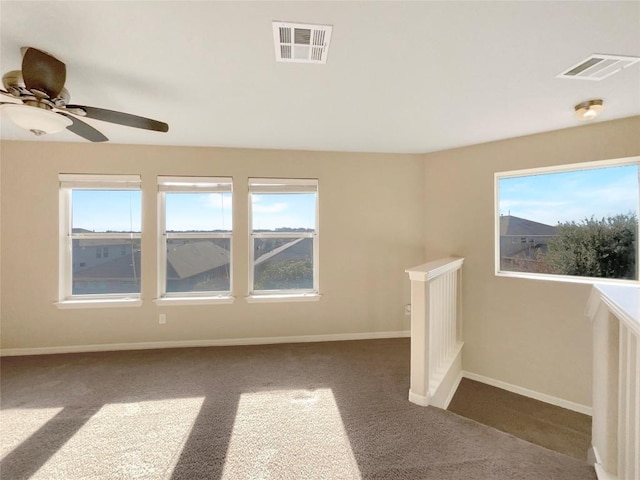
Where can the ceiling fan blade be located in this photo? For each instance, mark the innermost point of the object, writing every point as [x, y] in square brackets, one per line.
[42, 72]
[122, 118]
[83, 129]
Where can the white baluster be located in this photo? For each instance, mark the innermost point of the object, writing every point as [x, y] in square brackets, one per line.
[435, 330]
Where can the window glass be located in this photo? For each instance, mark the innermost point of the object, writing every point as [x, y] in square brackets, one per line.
[198, 212]
[284, 253]
[96, 272]
[283, 211]
[581, 222]
[196, 236]
[198, 265]
[101, 231]
[106, 210]
[283, 263]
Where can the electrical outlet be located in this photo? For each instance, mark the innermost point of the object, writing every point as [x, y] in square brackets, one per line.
[407, 309]
[162, 319]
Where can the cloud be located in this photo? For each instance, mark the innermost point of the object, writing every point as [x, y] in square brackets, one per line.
[570, 196]
[217, 200]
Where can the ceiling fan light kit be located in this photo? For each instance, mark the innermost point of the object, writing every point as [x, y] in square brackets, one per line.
[39, 121]
[44, 102]
[589, 110]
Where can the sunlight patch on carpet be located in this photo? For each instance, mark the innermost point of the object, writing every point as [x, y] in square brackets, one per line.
[140, 440]
[18, 424]
[297, 431]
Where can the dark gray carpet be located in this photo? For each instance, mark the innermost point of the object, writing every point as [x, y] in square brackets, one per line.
[304, 411]
[537, 422]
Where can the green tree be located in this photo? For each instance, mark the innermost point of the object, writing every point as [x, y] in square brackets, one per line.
[285, 274]
[603, 248]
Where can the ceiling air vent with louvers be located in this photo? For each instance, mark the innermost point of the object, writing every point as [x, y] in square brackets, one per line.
[301, 43]
[598, 67]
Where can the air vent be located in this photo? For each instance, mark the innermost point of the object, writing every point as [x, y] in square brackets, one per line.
[301, 42]
[598, 67]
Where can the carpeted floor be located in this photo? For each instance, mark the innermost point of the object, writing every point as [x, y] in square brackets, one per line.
[537, 422]
[303, 411]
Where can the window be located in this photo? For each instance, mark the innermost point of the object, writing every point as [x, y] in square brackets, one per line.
[195, 237]
[576, 222]
[98, 212]
[284, 237]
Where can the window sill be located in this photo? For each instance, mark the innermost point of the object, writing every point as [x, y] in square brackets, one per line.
[169, 301]
[100, 303]
[565, 278]
[304, 297]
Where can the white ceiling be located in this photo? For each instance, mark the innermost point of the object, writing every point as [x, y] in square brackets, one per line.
[400, 77]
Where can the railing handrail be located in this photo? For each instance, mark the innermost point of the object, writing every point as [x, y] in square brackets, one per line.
[622, 300]
[434, 269]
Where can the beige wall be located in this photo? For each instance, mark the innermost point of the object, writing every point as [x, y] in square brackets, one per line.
[371, 211]
[528, 333]
[377, 215]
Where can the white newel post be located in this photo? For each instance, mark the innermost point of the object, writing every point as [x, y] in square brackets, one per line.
[436, 331]
[615, 444]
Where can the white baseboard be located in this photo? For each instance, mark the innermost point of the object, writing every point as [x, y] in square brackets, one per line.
[453, 390]
[225, 342]
[594, 459]
[447, 383]
[602, 474]
[419, 399]
[543, 397]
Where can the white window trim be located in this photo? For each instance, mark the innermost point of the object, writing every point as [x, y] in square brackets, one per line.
[542, 171]
[279, 297]
[99, 303]
[284, 186]
[189, 185]
[194, 300]
[67, 183]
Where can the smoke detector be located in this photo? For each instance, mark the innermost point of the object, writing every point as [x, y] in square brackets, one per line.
[598, 67]
[301, 42]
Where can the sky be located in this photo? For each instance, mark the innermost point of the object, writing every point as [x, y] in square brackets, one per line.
[100, 211]
[571, 196]
[546, 198]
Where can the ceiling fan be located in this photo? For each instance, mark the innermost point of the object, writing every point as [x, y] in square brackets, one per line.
[43, 102]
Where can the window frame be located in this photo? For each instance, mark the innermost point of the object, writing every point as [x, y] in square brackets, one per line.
[186, 185]
[67, 183]
[284, 186]
[617, 162]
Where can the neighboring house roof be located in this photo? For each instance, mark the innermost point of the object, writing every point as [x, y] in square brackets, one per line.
[119, 268]
[184, 261]
[193, 258]
[102, 242]
[282, 250]
[190, 259]
[99, 242]
[521, 227]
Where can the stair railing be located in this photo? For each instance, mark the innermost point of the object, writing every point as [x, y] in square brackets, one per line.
[615, 438]
[436, 331]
